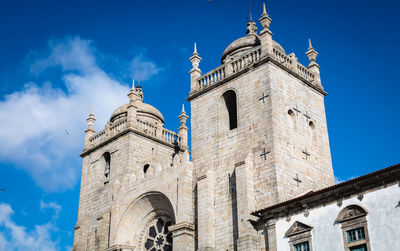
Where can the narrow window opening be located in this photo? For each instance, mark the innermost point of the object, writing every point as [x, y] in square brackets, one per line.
[290, 112]
[146, 167]
[107, 167]
[231, 106]
[311, 124]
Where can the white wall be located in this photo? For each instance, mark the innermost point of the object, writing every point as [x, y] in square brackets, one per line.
[383, 222]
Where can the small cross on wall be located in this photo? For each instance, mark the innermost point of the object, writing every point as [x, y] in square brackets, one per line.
[264, 154]
[296, 109]
[263, 97]
[297, 179]
[307, 116]
[306, 153]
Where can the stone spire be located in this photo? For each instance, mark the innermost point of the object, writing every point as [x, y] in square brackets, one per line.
[183, 130]
[265, 20]
[134, 96]
[89, 132]
[313, 66]
[265, 34]
[195, 72]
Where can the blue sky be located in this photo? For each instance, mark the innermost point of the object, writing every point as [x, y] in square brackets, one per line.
[60, 58]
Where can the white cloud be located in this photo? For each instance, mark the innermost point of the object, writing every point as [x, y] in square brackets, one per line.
[51, 205]
[42, 129]
[15, 237]
[143, 69]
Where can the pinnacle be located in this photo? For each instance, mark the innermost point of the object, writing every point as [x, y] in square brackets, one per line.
[183, 108]
[195, 48]
[309, 44]
[133, 84]
[264, 10]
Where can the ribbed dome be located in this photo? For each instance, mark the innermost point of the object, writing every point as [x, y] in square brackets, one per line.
[143, 111]
[242, 44]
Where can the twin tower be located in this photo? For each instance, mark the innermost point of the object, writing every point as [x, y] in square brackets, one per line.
[259, 137]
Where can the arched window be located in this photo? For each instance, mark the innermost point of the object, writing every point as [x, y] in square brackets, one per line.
[228, 110]
[146, 167]
[107, 166]
[354, 228]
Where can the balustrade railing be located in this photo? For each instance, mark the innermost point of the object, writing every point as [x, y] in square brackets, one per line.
[212, 77]
[239, 64]
[170, 136]
[305, 73]
[246, 60]
[150, 129]
[147, 128]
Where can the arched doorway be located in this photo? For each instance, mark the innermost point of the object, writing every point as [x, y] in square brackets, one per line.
[145, 224]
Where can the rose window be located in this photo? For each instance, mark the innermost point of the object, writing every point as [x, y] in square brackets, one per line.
[159, 238]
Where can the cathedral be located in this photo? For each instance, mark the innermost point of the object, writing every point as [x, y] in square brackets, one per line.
[257, 176]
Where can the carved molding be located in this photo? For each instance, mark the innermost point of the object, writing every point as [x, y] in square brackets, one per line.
[297, 228]
[351, 212]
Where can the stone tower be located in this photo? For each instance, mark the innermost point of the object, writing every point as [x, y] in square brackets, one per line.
[136, 186]
[259, 136]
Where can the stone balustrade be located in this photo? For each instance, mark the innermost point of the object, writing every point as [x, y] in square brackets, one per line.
[246, 60]
[237, 65]
[170, 136]
[149, 129]
[212, 77]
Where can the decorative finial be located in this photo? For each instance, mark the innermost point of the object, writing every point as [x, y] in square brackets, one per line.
[309, 44]
[264, 10]
[195, 48]
[133, 84]
[251, 28]
[183, 108]
[265, 20]
[251, 17]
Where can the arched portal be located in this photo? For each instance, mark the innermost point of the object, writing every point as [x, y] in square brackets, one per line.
[145, 224]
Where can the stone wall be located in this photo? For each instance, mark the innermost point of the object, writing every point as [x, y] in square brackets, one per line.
[264, 125]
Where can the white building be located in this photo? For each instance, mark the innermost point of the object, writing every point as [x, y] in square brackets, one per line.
[358, 215]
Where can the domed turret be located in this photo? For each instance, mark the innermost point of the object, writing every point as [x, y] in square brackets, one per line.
[244, 44]
[145, 112]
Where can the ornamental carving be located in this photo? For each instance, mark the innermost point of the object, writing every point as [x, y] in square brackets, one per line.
[351, 212]
[159, 238]
[297, 228]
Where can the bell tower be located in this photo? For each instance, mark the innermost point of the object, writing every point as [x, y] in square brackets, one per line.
[259, 136]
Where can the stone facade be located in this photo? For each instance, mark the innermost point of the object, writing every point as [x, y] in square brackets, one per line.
[259, 137]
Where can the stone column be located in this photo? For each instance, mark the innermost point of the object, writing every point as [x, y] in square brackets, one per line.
[205, 212]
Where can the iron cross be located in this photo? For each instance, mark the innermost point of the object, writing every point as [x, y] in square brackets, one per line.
[264, 154]
[297, 179]
[263, 97]
[306, 153]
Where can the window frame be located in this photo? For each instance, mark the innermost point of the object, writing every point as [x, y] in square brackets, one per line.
[353, 223]
[299, 233]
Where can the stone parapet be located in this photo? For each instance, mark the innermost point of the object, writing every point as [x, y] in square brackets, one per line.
[149, 130]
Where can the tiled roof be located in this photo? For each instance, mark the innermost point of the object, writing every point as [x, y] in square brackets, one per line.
[331, 188]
